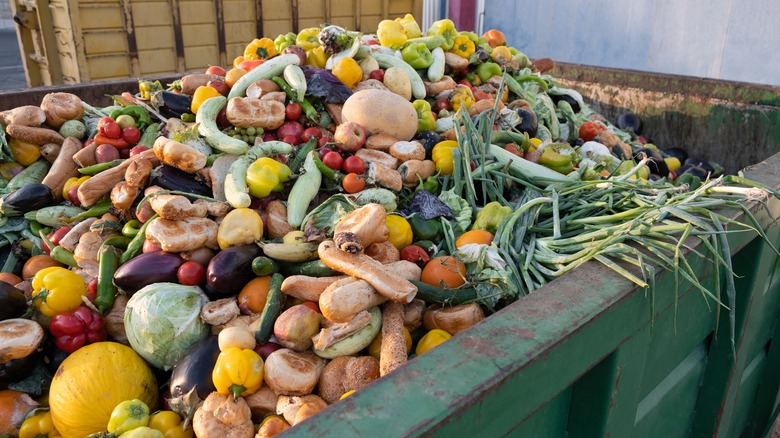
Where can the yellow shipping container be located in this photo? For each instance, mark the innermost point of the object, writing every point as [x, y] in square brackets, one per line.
[71, 41]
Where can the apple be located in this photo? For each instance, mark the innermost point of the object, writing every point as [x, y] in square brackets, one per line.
[350, 136]
[216, 70]
[135, 150]
[221, 87]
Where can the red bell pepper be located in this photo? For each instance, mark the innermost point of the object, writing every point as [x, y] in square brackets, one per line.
[76, 328]
[118, 143]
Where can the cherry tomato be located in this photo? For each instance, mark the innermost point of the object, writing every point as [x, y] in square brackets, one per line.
[333, 160]
[312, 132]
[73, 195]
[55, 237]
[92, 289]
[377, 74]
[353, 183]
[466, 83]
[131, 134]
[293, 111]
[191, 274]
[135, 150]
[322, 141]
[442, 104]
[109, 127]
[322, 151]
[590, 130]
[216, 70]
[416, 255]
[354, 164]
[291, 139]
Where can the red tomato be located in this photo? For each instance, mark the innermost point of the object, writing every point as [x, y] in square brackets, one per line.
[313, 131]
[322, 141]
[191, 274]
[442, 104]
[109, 127]
[466, 83]
[480, 95]
[591, 130]
[135, 150]
[495, 37]
[353, 183]
[92, 290]
[220, 86]
[291, 139]
[55, 237]
[131, 134]
[416, 255]
[249, 65]
[377, 74]
[73, 195]
[333, 160]
[354, 164]
[293, 111]
[216, 70]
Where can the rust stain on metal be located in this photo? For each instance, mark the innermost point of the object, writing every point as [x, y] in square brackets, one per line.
[259, 18]
[132, 45]
[221, 45]
[178, 39]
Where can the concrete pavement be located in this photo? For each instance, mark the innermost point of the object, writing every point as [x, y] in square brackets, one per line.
[11, 69]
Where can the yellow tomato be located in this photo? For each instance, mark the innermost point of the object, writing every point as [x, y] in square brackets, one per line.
[474, 236]
[430, 340]
[400, 231]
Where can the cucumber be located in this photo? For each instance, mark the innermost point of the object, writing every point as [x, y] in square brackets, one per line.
[314, 268]
[263, 266]
[387, 61]
[436, 70]
[272, 67]
[236, 190]
[377, 195]
[207, 127]
[271, 311]
[432, 294]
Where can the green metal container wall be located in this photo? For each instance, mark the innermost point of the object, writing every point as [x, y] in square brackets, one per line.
[590, 354]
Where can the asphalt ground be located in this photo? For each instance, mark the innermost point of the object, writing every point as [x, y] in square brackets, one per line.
[11, 69]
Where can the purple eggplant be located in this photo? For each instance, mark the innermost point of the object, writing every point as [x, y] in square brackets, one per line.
[231, 269]
[148, 268]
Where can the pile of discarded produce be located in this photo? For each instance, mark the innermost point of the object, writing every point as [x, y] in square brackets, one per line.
[229, 254]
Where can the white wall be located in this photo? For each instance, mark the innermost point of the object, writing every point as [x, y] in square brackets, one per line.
[6, 20]
[722, 39]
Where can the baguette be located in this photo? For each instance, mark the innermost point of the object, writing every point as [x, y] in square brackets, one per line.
[383, 279]
[393, 351]
[91, 190]
[307, 288]
[31, 134]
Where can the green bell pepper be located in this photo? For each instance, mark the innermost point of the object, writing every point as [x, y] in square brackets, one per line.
[558, 157]
[425, 120]
[417, 55]
[446, 29]
[430, 185]
[487, 70]
[471, 35]
[423, 229]
[284, 40]
[490, 216]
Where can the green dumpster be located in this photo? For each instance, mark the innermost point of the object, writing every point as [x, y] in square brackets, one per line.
[591, 354]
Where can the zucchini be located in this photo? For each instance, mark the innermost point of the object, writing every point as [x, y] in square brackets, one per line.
[303, 192]
[314, 268]
[295, 77]
[387, 61]
[436, 70]
[272, 67]
[432, 294]
[32, 174]
[263, 266]
[271, 311]
[28, 198]
[236, 190]
[207, 127]
[356, 341]
[377, 195]
[54, 216]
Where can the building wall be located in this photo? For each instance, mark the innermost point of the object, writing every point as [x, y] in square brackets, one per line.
[6, 21]
[722, 39]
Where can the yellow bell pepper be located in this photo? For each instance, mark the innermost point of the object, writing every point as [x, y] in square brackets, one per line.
[238, 372]
[128, 415]
[462, 96]
[24, 153]
[143, 432]
[10, 169]
[316, 57]
[391, 34]
[348, 71]
[200, 95]
[170, 424]
[266, 175]
[238, 60]
[57, 290]
[38, 425]
[442, 156]
[308, 38]
[430, 340]
[411, 28]
[463, 46]
[74, 181]
[262, 48]
[446, 29]
[400, 231]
